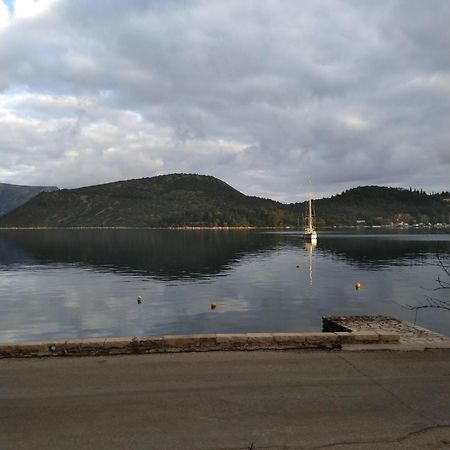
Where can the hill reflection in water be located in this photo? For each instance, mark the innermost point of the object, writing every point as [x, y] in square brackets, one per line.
[80, 283]
[162, 254]
[382, 251]
[174, 254]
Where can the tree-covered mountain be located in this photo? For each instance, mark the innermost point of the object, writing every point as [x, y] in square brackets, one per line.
[179, 200]
[162, 201]
[375, 205]
[12, 195]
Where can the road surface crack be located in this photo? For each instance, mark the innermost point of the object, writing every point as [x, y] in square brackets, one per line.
[398, 440]
[385, 389]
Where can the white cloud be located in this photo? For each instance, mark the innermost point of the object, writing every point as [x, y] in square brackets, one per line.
[29, 8]
[4, 14]
[354, 122]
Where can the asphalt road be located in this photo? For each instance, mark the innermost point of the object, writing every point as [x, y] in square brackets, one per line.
[228, 400]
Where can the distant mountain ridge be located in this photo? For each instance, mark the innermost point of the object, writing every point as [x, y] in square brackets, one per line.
[13, 195]
[179, 200]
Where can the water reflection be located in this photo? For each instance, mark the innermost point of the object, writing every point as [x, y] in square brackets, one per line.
[162, 254]
[173, 255]
[78, 283]
[310, 246]
[377, 252]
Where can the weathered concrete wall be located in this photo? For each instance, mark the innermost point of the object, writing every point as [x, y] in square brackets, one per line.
[340, 333]
[194, 343]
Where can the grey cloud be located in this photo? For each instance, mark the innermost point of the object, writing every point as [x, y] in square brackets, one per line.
[262, 95]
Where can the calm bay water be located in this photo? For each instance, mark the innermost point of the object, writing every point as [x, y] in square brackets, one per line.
[84, 283]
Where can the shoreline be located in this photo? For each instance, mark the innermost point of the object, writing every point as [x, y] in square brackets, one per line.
[339, 333]
[444, 228]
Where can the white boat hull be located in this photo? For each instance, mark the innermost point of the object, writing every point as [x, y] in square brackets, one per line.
[310, 236]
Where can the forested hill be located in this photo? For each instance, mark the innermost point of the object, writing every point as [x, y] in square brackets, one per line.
[179, 200]
[13, 195]
[162, 201]
[377, 205]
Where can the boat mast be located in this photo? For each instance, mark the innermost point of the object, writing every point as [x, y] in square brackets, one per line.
[310, 232]
[310, 218]
[309, 227]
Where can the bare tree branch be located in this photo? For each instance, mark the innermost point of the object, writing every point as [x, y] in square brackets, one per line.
[445, 268]
[433, 302]
[429, 302]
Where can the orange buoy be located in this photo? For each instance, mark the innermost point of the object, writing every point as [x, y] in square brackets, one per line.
[213, 306]
[298, 266]
[358, 286]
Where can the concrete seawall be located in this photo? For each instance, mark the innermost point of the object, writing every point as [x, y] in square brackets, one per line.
[340, 333]
[194, 343]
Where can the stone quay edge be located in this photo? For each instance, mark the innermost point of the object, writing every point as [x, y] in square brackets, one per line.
[195, 343]
[352, 333]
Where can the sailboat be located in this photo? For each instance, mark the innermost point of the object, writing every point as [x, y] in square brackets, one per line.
[310, 233]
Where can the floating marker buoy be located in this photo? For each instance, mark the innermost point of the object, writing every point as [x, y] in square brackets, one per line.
[298, 266]
[139, 299]
[358, 286]
[213, 306]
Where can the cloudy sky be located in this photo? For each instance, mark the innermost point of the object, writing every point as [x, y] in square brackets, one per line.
[264, 95]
